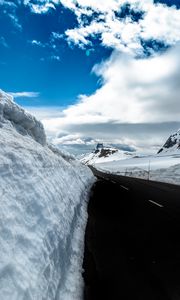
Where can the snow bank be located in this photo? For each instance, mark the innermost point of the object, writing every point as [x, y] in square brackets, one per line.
[159, 168]
[43, 212]
[168, 175]
[22, 121]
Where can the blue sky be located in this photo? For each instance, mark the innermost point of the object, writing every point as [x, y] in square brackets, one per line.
[72, 64]
[50, 67]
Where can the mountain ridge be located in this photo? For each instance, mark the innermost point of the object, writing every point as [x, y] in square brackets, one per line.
[172, 144]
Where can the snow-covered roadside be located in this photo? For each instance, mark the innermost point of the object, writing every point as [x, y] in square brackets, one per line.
[159, 168]
[43, 196]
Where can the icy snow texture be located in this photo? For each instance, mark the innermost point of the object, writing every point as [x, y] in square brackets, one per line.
[20, 119]
[43, 212]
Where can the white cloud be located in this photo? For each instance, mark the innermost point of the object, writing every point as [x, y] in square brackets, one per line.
[46, 113]
[80, 138]
[73, 139]
[136, 100]
[100, 5]
[159, 22]
[49, 45]
[24, 94]
[133, 91]
[42, 8]
[76, 37]
[101, 19]
[38, 43]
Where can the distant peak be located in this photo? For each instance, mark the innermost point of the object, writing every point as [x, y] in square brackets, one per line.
[172, 144]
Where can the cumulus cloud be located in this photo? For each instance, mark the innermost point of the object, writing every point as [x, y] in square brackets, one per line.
[73, 139]
[123, 24]
[137, 104]
[133, 91]
[41, 7]
[138, 101]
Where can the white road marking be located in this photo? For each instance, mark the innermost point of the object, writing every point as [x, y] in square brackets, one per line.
[124, 187]
[113, 181]
[155, 203]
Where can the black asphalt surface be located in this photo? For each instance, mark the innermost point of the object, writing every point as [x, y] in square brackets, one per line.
[132, 242]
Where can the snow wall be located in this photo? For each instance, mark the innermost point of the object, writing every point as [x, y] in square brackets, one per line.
[43, 195]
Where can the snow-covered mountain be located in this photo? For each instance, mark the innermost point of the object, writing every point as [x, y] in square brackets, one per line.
[172, 145]
[43, 194]
[104, 154]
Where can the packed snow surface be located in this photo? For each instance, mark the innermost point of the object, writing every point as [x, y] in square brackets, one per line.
[43, 194]
[164, 168]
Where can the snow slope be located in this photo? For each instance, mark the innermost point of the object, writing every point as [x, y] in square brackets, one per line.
[164, 168]
[172, 145]
[43, 195]
[105, 154]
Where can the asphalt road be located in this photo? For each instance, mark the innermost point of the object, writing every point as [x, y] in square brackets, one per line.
[132, 242]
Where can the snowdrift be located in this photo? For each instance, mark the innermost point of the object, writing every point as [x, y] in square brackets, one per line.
[158, 168]
[43, 195]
